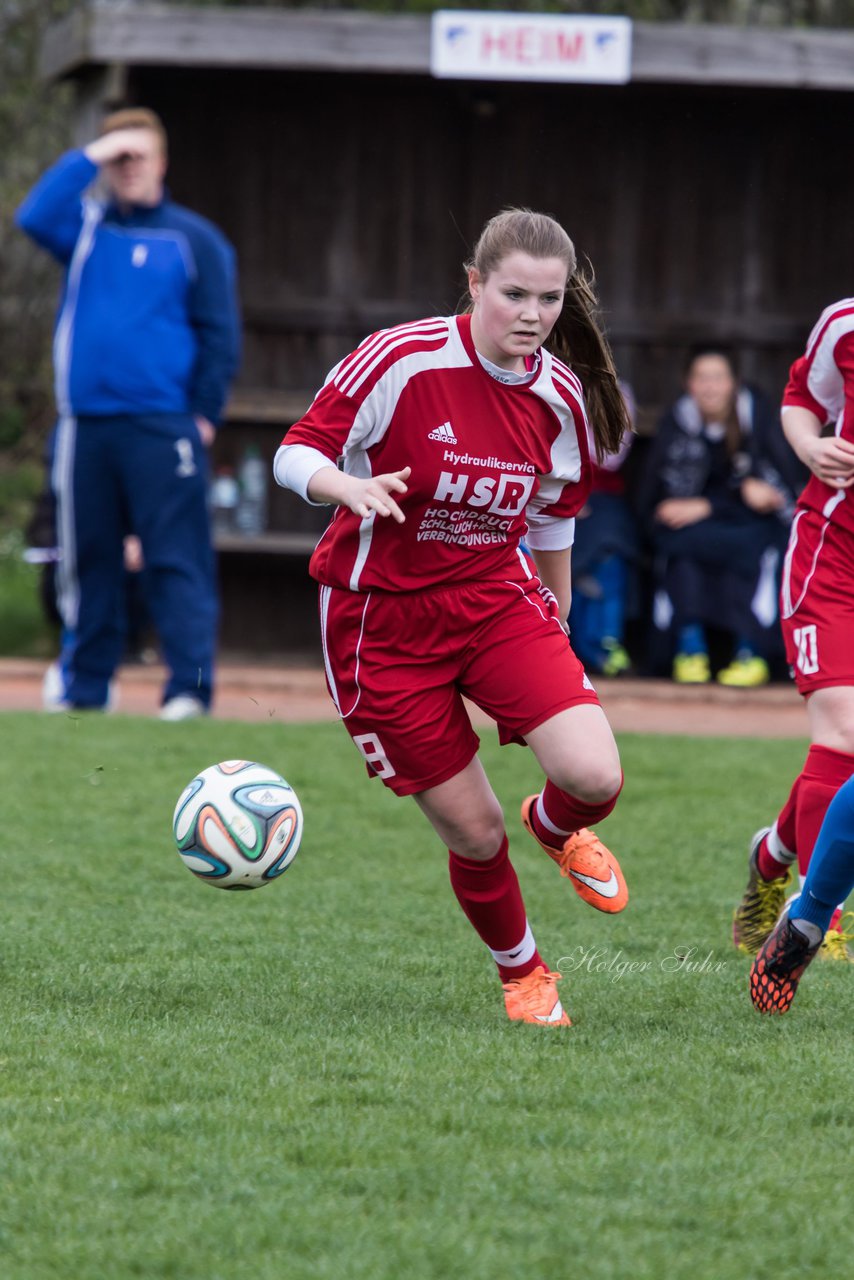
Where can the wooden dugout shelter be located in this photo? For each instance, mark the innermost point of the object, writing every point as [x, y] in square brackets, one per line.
[712, 193]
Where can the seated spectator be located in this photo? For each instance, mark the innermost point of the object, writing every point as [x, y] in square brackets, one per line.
[716, 500]
[604, 559]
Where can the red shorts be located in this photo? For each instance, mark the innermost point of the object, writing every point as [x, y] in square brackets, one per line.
[817, 603]
[399, 664]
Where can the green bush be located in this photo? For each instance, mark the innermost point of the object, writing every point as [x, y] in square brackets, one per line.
[24, 629]
[11, 427]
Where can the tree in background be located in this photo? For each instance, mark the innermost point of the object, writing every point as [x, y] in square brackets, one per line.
[34, 128]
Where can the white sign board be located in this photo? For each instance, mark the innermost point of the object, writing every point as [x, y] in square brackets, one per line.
[525, 46]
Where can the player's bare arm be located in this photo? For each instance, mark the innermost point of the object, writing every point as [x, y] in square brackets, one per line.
[829, 458]
[553, 570]
[363, 497]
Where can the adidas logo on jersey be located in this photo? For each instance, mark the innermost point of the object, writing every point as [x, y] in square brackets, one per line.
[444, 434]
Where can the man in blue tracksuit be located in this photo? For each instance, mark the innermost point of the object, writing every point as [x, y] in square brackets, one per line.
[146, 344]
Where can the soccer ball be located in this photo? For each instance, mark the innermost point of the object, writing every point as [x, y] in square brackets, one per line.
[238, 825]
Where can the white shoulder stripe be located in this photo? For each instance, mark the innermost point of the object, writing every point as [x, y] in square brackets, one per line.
[566, 373]
[377, 349]
[825, 380]
[380, 345]
[370, 344]
[375, 340]
[573, 387]
[837, 310]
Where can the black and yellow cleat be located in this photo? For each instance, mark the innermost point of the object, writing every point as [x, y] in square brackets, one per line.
[761, 904]
[835, 944]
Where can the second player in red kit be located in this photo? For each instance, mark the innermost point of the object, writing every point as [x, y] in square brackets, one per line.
[443, 443]
[817, 615]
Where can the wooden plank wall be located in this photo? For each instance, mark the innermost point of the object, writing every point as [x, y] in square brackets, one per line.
[353, 200]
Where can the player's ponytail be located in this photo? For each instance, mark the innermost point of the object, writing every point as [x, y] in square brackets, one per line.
[578, 337]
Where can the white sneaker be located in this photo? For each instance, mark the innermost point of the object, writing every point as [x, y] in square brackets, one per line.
[184, 706]
[53, 689]
[53, 692]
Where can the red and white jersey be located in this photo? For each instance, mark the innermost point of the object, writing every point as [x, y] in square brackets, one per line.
[491, 461]
[822, 381]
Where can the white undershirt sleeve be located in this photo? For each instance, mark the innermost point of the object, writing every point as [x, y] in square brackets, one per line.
[549, 533]
[295, 464]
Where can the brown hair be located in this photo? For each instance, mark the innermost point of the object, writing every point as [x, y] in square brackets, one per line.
[137, 118]
[701, 351]
[578, 336]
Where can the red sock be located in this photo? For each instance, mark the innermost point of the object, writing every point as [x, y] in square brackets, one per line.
[823, 774]
[555, 814]
[769, 866]
[489, 894]
[787, 828]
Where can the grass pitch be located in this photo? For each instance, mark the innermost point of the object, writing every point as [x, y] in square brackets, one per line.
[317, 1079]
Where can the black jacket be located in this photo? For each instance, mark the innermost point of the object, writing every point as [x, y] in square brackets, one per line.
[688, 458]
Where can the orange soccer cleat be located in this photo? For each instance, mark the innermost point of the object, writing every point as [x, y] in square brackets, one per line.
[590, 867]
[534, 998]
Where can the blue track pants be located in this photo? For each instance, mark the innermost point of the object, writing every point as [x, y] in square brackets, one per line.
[146, 475]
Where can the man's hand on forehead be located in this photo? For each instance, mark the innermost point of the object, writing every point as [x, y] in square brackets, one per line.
[113, 147]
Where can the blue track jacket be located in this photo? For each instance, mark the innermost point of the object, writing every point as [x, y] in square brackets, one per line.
[148, 318]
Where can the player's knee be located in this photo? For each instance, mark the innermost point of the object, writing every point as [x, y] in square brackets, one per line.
[480, 838]
[595, 783]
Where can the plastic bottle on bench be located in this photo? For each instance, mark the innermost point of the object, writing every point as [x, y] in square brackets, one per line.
[225, 495]
[252, 507]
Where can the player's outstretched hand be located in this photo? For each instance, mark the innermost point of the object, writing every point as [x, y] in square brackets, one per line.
[364, 496]
[832, 460]
[374, 495]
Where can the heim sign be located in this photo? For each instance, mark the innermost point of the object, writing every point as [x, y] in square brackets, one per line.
[516, 46]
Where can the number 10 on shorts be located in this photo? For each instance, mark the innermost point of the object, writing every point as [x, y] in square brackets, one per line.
[375, 757]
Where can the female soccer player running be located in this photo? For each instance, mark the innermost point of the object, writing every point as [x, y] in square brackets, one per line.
[457, 436]
[817, 614]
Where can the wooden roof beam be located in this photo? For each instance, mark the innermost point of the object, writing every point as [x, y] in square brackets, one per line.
[104, 33]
